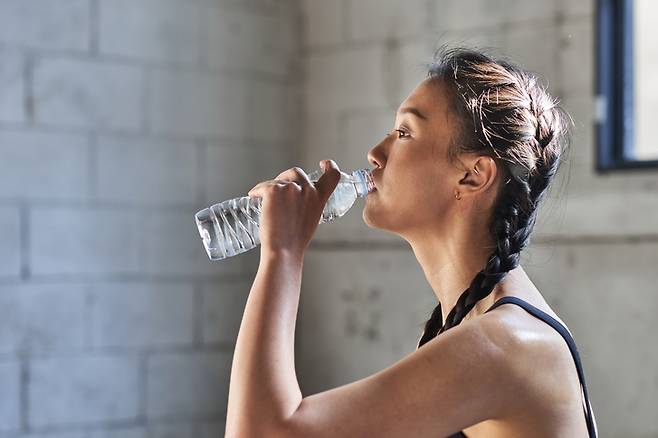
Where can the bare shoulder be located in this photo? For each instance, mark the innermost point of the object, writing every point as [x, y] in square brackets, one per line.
[538, 355]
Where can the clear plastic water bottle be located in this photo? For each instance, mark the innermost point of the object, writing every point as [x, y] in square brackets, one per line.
[231, 227]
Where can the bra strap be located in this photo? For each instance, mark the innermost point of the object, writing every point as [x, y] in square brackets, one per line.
[538, 313]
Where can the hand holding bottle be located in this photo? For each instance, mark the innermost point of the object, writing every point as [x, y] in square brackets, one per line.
[231, 227]
[292, 206]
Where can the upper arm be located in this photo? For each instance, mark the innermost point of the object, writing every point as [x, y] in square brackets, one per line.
[458, 379]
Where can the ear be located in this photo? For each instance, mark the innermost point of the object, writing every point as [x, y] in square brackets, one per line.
[479, 174]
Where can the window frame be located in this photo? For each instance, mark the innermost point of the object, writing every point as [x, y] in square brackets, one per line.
[614, 112]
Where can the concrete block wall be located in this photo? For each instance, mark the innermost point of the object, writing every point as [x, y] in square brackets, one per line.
[119, 120]
[595, 246]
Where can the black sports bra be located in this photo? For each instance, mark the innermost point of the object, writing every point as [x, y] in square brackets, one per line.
[538, 313]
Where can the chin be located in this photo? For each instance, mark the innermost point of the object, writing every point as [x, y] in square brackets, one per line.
[367, 218]
[370, 217]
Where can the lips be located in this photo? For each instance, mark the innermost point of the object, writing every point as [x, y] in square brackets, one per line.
[374, 181]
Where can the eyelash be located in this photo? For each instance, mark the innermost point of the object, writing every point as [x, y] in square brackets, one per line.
[403, 132]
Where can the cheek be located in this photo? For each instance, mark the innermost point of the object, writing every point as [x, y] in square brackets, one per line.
[426, 191]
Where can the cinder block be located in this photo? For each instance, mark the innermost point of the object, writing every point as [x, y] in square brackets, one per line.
[142, 314]
[87, 94]
[212, 429]
[191, 384]
[348, 325]
[83, 390]
[147, 170]
[373, 20]
[578, 166]
[270, 7]
[453, 15]
[45, 25]
[120, 432]
[534, 48]
[240, 40]
[173, 247]
[450, 14]
[272, 112]
[577, 57]
[153, 29]
[10, 402]
[323, 23]
[44, 165]
[83, 241]
[487, 39]
[42, 318]
[348, 79]
[12, 87]
[73, 434]
[530, 11]
[413, 56]
[197, 104]
[231, 171]
[223, 307]
[321, 133]
[597, 213]
[576, 9]
[172, 430]
[10, 242]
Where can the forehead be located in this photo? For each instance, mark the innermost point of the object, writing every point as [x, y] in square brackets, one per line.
[430, 99]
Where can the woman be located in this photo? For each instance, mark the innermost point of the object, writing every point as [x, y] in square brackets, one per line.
[477, 145]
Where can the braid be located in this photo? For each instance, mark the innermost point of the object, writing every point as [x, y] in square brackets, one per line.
[432, 326]
[516, 208]
[512, 228]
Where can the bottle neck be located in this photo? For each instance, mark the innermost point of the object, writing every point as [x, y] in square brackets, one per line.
[363, 182]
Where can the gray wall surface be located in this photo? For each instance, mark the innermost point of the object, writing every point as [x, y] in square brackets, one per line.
[594, 251]
[119, 120]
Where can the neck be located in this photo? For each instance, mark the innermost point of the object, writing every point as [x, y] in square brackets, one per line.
[451, 260]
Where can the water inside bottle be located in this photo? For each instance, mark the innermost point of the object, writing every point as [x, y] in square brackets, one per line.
[232, 227]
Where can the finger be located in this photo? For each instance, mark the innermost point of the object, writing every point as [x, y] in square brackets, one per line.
[258, 189]
[297, 175]
[261, 188]
[329, 179]
[255, 188]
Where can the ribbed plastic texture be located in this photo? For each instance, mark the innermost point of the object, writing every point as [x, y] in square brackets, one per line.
[232, 227]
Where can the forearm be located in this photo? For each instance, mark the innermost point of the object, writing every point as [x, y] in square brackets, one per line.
[263, 387]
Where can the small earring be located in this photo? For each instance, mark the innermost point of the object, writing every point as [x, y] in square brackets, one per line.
[458, 195]
[475, 169]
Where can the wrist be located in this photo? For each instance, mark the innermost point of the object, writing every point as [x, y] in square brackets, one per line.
[285, 255]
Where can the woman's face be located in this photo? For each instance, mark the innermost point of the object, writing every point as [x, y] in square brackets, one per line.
[415, 181]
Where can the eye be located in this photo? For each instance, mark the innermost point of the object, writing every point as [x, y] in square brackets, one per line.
[399, 131]
[402, 132]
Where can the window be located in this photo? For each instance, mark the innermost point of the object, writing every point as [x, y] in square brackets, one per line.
[626, 84]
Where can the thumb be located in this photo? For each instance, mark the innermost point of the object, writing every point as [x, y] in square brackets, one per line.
[329, 179]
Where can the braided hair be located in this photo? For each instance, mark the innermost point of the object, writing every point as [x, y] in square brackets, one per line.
[506, 114]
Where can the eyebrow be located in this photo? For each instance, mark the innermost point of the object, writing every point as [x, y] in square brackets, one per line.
[413, 111]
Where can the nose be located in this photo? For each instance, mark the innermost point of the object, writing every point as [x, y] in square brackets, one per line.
[376, 156]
